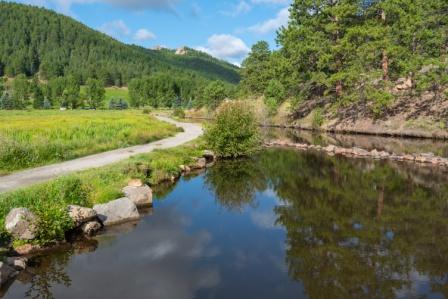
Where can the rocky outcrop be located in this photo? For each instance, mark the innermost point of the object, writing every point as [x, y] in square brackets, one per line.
[117, 211]
[81, 215]
[141, 196]
[425, 158]
[21, 223]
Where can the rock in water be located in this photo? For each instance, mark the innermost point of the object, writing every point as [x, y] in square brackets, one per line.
[6, 273]
[81, 215]
[117, 211]
[141, 196]
[91, 228]
[19, 263]
[21, 223]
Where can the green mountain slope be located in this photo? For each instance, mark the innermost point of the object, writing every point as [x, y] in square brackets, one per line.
[36, 40]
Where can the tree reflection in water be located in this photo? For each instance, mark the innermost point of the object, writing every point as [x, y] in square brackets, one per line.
[355, 228]
[49, 272]
[235, 183]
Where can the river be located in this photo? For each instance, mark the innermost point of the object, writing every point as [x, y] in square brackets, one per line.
[282, 224]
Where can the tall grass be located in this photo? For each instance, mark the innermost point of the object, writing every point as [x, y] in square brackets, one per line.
[34, 138]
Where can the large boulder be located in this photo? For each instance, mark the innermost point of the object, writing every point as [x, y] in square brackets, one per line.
[141, 196]
[6, 273]
[21, 223]
[135, 183]
[117, 211]
[81, 215]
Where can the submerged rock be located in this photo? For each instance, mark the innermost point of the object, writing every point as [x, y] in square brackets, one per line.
[117, 211]
[21, 223]
[81, 215]
[19, 263]
[141, 196]
[6, 273]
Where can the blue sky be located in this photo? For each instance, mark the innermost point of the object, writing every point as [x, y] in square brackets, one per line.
[224, 29]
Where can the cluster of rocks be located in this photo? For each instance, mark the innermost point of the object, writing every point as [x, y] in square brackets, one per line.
[22, 223]
[424, 158]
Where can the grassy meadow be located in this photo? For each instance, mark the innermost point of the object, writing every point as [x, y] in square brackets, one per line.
[35, 138]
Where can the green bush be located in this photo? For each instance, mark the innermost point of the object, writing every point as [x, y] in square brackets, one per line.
[274, 95]
[234, 132]
[147, 110]
[318, 119]
[179, 113]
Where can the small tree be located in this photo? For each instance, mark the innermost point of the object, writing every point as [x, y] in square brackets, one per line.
[20, 92]
[273, 95]
[234, 132]
[95, 93]
[214, 94]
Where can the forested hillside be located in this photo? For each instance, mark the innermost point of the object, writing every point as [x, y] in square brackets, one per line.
[35, 40]
[356, 58]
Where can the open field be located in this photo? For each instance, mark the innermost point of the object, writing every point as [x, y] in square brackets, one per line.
[35, 138]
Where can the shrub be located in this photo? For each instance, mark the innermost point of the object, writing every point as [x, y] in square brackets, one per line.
[274, 94]
[147, 110]
[234, 132]
[318, 119]
[179, 113]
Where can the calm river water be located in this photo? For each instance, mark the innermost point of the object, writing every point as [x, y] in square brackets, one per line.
[283, 224]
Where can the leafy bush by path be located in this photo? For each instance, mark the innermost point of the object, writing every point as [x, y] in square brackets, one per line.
[234, 132]
[30, 139]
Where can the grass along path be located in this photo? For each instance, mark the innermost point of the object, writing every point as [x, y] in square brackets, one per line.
[45, 173]
[35, 138]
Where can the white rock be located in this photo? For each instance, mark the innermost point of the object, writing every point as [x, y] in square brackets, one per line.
[117, 211]
[141, 196]
[21, 223]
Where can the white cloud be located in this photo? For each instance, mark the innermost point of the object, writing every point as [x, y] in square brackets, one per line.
[144, 35]
[241, 8]
[115, 29]
[272, 24]
[225, 46]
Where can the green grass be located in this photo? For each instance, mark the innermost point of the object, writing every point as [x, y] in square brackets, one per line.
[49, 200]
[35, 138]
[111, 93]
[117, 93]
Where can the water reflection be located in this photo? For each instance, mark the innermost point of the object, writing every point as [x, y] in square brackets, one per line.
[283, 224]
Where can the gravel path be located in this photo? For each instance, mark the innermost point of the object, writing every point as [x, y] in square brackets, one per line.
[41, 174]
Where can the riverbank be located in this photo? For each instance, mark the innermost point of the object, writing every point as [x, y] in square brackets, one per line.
[419, 158]
[49, 200]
